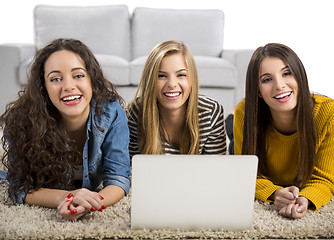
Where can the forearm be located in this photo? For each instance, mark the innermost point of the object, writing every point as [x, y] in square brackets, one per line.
[111, 194]
[265, 190]
[46, 197]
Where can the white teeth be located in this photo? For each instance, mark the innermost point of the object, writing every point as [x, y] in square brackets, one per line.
[283, 95]
[71, 98]
[172, 94]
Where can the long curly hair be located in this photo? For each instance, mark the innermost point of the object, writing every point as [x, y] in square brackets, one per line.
[37, 151]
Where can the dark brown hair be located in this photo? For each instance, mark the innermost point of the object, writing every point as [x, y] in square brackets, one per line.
[258, 116]
[37, 151]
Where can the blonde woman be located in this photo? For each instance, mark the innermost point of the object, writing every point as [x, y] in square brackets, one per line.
[167, 116]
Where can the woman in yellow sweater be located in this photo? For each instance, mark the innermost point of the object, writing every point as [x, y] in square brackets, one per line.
[290, 130]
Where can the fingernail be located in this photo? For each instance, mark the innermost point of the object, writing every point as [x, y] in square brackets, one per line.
[74, 211]
[92, 209]
[69, 195]
[100, 209]
[68, 200]
[103, 207]
[101, 197]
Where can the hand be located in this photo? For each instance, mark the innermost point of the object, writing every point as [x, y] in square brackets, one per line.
[64, 209]
[285, 197]
[79, 203]
[86, 199]
[295, 210]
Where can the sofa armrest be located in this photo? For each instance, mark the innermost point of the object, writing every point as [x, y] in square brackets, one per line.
[240, 59]
[11, 56]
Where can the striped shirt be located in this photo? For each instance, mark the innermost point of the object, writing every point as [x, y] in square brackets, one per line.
[211, 129]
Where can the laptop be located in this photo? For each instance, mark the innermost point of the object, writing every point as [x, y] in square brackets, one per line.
[190, 192]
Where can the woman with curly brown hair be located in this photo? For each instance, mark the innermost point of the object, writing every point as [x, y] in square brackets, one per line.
[66, 134]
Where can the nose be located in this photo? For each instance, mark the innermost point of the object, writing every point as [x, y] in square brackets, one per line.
[171, 82]
[280, 83]
[68, 83]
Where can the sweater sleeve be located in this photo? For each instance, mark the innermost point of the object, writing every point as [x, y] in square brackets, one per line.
[238, 127]
[320, 188]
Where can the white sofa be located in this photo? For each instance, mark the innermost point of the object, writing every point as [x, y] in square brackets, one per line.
[122, 40]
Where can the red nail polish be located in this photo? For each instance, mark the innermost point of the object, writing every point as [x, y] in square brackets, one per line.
[103, 207]
[100, 209]
[69, 195]
[101, 197]
[68, 200]
[74, 211]
[92, 209]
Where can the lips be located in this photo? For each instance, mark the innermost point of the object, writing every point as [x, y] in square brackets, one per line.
[283, 95]
[172, 94]
[71, 100]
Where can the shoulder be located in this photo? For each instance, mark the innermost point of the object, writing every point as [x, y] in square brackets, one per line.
[323, 111]
[323, 101]
[110, 111]
[132, 110]
[323, 106]
[112, 108]
[206, 103]
[239, 113]
[240, 108]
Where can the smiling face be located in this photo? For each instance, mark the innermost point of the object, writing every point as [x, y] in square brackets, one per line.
[173, 85]
[277, 86]
[68, 84]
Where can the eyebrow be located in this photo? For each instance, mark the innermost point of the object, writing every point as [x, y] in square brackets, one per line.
[73, 69]
[267, 74]
[180, 70]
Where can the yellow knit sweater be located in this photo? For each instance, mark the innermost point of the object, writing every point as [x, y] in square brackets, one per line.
[282, 155]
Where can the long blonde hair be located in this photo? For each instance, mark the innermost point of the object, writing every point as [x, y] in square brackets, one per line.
[150, 131]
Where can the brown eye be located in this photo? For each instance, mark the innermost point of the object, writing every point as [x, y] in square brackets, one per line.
[55, 79]
[266, 80]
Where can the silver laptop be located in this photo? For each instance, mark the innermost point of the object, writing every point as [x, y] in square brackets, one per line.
[190, 192]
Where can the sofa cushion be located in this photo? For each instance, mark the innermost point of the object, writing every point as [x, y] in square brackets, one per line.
[212, 71]
[23, 71]
[215, 72]
[116, 69]
[201, 30]
[105, 29]
[136, 69]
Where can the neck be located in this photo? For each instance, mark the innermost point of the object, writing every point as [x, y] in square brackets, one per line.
[76, 126]
[173, 122]
[286, 123]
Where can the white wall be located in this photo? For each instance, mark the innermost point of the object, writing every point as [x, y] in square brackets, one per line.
[304, 25]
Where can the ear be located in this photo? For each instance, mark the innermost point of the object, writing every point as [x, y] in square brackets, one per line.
[260, 95]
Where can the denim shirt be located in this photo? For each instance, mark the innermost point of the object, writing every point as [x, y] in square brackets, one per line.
[105, 154]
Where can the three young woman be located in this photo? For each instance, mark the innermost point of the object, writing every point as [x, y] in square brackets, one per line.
[66, 134]
[290, 130]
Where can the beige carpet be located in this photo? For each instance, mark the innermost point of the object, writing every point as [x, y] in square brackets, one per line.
[30, 222]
